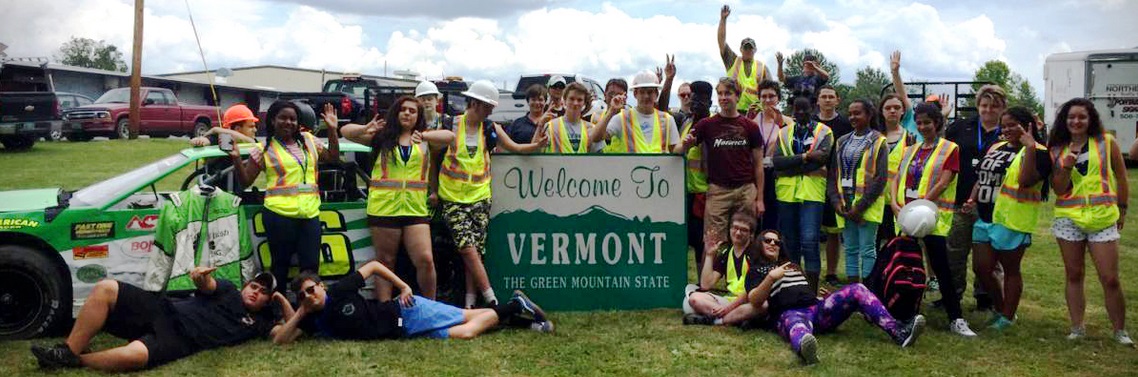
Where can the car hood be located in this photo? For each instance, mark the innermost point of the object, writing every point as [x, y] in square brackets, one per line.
[97, 107]
[28, 200]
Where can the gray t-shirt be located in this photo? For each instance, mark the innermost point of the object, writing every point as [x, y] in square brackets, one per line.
[573, 130]
[647, 123]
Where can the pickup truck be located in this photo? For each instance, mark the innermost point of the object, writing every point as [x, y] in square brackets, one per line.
[357, 100]
[160, 114]
[515, 105]
[27, 116]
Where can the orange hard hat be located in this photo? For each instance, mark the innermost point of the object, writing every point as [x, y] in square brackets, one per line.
[237, 113]
[932, 98]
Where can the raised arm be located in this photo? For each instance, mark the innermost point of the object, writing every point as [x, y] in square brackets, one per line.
[203, 280]
[898, 84]
[438, 137]
[247, 170]
[508, 144]
[1061, 175]
[666, 90]
[722, 32]
[781, 75]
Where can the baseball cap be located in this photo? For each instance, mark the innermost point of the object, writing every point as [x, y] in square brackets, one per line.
[748, 41]
[556, 80]
[933, 98]
[266, 280]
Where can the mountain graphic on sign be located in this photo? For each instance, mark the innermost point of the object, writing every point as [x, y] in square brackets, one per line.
[599, 210]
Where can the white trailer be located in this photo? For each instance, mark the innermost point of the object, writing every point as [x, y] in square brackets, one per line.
[1109, 78]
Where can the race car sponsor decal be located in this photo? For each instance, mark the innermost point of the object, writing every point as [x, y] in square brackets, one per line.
[89, 252]
[91, 273]
[94, 230]
[143, 223]
[18, 223]
[137, 248]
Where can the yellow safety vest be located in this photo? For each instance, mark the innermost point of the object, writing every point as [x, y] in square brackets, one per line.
[464, 178]
[867, 169]
[1017, 208]
[809, 187]
[291, 186]
[736, 285]
[1092, 203]
[630, 131]
[399, 188]
[750, 83]
[559, 137]
[895, 160]
[609, 148]
[946, 203]
[696, 174]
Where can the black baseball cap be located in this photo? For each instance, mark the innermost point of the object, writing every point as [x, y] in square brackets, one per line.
[266, 280]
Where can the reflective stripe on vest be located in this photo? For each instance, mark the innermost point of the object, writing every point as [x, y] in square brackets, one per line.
[696, 169]
[867, 168]
[749, 83]
[633, 138]
[291, 185]
[1092, 202]
[559, 137]
[397, 187]
[464, 178]
[946, 204]
[1017, 208]
[810, 186]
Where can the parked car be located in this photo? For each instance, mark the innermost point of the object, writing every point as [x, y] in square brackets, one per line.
[67, 101]
[27, 116]
[514, 106]
[161, 114]
[357, 100]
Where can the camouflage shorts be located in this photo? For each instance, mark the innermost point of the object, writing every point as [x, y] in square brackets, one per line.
[468, 223]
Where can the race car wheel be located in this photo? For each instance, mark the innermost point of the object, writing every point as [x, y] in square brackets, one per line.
[33, 296]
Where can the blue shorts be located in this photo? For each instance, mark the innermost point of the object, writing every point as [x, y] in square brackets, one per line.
[1000, 237]
[430, 318]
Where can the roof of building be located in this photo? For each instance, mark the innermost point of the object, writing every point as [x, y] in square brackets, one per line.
[394, 81]
[103, 72]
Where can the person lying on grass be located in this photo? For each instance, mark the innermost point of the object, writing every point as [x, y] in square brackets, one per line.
[798, 313]
[163, 329]
[731, 263]
[338, 311]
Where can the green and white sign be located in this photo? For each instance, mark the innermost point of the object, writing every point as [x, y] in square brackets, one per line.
[585, 232]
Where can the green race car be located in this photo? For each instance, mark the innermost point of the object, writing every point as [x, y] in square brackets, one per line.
[56, 244]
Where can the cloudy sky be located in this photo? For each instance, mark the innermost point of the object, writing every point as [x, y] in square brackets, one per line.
[501, 39]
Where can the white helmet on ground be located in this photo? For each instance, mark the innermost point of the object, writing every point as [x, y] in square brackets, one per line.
[484, 91]
[426, 88]
[918, 218]
[645, 80]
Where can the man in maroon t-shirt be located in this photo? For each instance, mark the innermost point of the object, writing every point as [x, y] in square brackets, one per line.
[734, 153]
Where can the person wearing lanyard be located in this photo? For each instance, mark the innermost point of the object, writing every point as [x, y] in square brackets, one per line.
[1092, 195]
[397, 210]
[800, 165]
[929, 172]
[292, 198]
[973, 136]
[1006, 198]
[770, 121]
[857, 180]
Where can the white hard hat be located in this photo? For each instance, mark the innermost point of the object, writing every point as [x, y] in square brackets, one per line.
[918, 218]
[426, 88]
[484, 91]
[645, 80]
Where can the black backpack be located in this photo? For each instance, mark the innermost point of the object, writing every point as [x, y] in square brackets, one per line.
[900, 280]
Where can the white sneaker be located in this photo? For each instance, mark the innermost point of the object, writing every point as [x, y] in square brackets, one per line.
[1123, 338]
[1077, 333]
[960, 327]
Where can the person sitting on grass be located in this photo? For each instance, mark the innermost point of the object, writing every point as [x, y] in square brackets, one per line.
[798, 314]
[732, 262]
[338, 311]
[164, 329]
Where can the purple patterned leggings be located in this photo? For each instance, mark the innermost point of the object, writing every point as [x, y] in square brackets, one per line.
[830, 313]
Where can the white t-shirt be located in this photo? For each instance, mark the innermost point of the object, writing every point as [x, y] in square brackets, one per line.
[647, 123]
[573, 131]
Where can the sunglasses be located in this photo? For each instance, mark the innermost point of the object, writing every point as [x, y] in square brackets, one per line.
[685, 95]
[772, 241]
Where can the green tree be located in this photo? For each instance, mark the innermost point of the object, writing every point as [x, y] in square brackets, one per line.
[1019, 91]
[88, 53]
[868, 85]
[793, 65]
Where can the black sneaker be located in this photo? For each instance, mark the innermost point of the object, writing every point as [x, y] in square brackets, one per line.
[528, 306]
[696, 319]
[909, 334]
[833, 281]
[983, 303]
[58, 356]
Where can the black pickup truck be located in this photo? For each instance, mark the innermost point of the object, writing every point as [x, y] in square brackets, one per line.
[357, 100]
[27, 116]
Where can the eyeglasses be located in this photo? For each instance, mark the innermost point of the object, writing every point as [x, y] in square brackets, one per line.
[772, 241]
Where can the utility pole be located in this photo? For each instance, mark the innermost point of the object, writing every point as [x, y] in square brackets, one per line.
[136, 71]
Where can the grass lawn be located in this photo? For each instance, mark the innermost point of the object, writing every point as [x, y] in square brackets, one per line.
[650, 343]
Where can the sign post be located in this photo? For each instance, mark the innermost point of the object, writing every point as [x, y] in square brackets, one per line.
[588, 232]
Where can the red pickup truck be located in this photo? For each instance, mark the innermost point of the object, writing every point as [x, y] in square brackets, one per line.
[161, 115]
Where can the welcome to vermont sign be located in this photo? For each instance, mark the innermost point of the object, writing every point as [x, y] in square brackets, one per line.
[584, 232]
